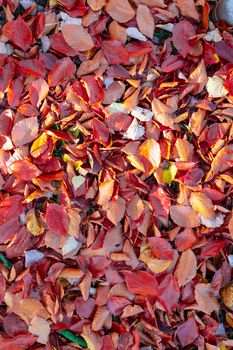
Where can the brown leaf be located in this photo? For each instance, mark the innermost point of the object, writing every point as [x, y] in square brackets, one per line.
[77, 37]
[96, 5]
[186, 268]
[145, 21]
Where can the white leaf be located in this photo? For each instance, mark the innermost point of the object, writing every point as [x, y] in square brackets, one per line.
[135, 131]
[134, 33]
[215, 87]
[78, 181]
[41, 328]
[45, 41]
[116, 107]
[26, 4]
[213, 35]
[168, 27]
[33, 256]
[108, 81]
[6, 49]
[70, 245]
[230, 259]
[216, 221]
[70, 20]
[142, 114]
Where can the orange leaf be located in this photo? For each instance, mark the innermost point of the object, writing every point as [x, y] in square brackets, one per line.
[186, 268]
[188, 8]
[222, 161]
[116, 209]
[150, 155]
[120, 10]
[202, 204]
[24, 170]
[145, 21]
[77, 37]
[184, 216]
[96, 5]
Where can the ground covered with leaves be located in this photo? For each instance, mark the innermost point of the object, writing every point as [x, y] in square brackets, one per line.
[116, 159]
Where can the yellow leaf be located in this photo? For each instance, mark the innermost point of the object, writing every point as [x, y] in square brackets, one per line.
[169, 174]
[39, 146]
[33, 224]
[202, 204]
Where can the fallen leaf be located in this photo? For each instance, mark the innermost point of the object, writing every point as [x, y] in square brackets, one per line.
[41, 328]
[145, 21]
[184, 216]
[57, 219]
[141, 282]
[25, 131]
[150, 155]
[215, 87]
[188, 9]
[77, 37]
[202, 204]
[207, 302]
[186, 268]
[222, 161]
[120, 10]
[135, 131]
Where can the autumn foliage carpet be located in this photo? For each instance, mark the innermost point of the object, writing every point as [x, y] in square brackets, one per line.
[116, 158]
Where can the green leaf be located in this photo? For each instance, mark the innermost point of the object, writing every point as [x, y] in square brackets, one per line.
[5, 261]
[169, 174]
[73, 337]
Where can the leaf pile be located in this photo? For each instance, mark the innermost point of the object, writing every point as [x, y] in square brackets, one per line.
[116, 210]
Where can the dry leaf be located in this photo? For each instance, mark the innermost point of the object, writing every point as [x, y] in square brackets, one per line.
[202, 204]
[145, 21]
[77, 37]
[120, 10]
[186, 268]
[184, 216]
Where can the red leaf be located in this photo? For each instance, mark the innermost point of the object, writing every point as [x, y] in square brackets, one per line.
[117, 304]
[57, 219]
[182, 34]
[187, 332]
[161, 248]
[18, 33]
[24, 170]
[173, 62]
[115, 52]
[169, 293]
[62, 70]
[21, 342]
[141, 282]
[38, 91]
[94, 90]
[33, 67]
[100, 132]
[160, 202]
